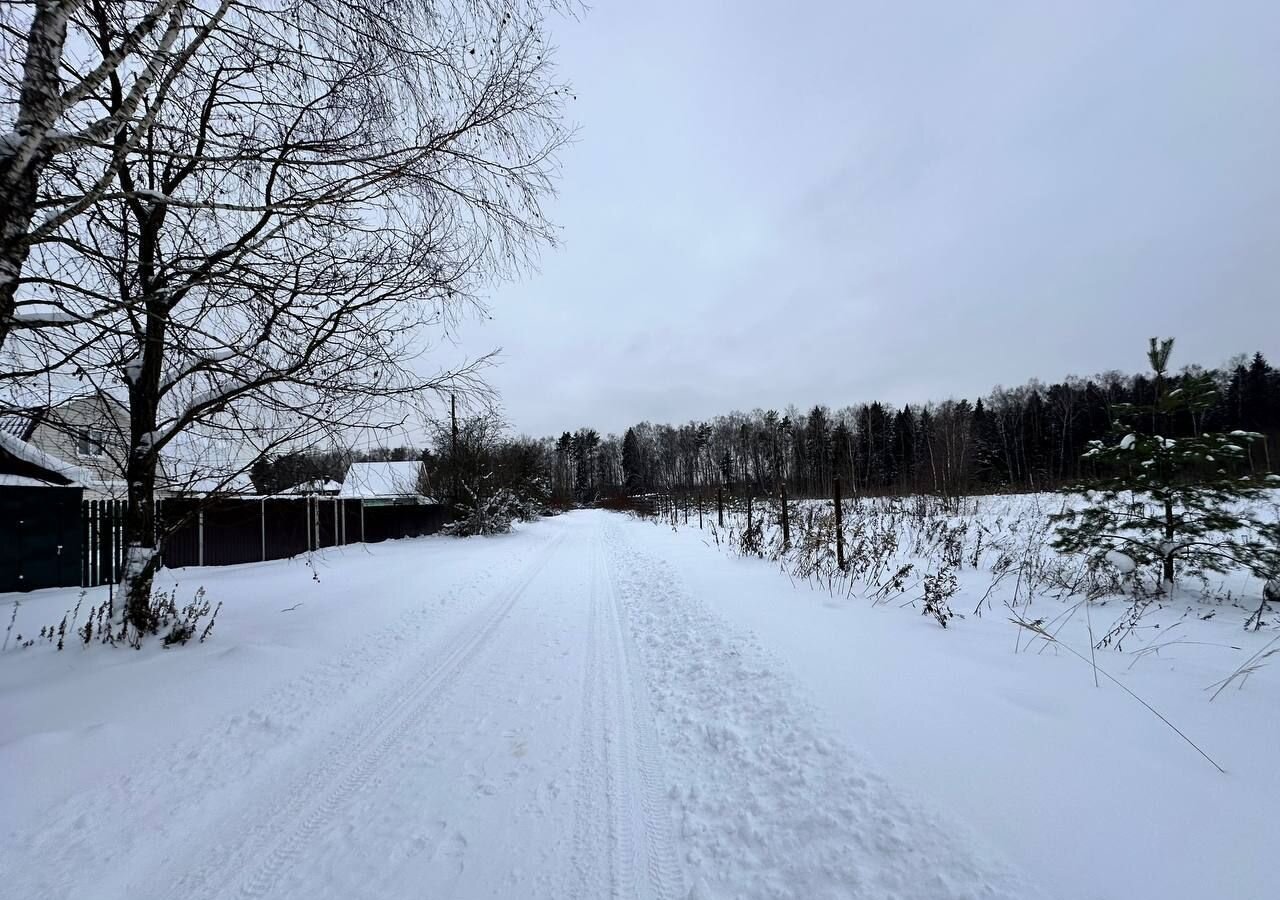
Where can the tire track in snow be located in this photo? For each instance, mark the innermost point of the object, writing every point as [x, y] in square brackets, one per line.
[622, 833]
[769, 805]
[592, 815]
[78, 830]
[265, 842]
[663, 867]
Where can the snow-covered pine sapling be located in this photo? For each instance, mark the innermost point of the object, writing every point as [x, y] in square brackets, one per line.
[1179, 503]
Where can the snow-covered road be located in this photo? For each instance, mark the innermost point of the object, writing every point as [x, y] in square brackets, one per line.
[562, 719]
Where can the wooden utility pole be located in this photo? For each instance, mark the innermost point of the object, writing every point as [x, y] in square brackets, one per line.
[453, 443]
[839, 525]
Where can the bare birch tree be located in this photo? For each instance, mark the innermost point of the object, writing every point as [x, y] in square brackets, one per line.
[316, 193]
[59, 147]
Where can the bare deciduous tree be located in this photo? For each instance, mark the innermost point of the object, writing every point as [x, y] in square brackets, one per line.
[315, 194]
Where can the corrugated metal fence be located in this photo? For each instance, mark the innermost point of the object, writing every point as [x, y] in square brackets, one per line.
[232, 530]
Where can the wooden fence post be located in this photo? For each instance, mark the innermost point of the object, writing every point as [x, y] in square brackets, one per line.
[200, 537]
[786, 520]
[91, 543]
[699, 512]
[117, 539]
[262, 520]
[748, 512]
[839, 525]
[720, 504]
[84, 545]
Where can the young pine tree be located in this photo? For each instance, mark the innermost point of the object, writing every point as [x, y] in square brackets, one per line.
[1178, 502]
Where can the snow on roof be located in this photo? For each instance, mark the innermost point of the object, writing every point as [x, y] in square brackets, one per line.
[7, 480]
[21, 450]
[315, 486]
[239, 483]
[382, 479]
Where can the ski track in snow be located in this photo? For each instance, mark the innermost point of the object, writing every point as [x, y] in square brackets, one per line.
[587, 730]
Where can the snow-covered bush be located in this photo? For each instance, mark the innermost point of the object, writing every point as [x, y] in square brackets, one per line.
[532, 498]
[488, 478]
[484, 512]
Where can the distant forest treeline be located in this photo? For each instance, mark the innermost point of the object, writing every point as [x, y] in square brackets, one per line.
[1024, 438]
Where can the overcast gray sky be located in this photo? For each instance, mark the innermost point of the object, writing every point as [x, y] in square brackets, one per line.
[775, 203]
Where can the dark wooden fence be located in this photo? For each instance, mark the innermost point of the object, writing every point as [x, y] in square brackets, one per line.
[101, 540]
[208, 532]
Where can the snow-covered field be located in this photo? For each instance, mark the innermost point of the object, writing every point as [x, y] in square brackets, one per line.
[597, 706]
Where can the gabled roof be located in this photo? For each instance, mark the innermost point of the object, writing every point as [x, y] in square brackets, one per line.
[21, 422]
[366, 480]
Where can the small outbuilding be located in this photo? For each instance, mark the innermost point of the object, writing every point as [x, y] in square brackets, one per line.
[386, 483]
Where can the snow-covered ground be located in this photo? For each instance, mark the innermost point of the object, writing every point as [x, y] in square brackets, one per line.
[597, 706]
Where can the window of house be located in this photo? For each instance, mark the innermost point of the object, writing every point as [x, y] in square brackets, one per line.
[90, 442]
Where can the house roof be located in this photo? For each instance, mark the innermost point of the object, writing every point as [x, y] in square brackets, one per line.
[20, 457]
[20, 423]
[17, 457]
[7, 480]
[382, 479]
[315, 486]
